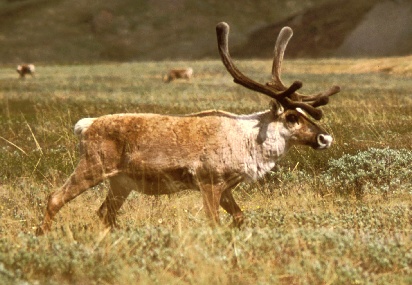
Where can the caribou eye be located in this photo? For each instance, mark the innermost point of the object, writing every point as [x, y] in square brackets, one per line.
[292, 118]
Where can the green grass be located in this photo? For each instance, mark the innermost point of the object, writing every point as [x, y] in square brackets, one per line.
[298, 230]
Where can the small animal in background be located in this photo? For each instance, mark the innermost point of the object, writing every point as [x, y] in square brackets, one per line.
[24, 69]
[183, 73]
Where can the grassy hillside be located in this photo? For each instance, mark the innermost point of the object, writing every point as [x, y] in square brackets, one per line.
[303, 227]
[67, 31]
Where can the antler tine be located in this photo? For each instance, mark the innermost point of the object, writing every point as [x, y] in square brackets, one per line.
[333, 90]
[311, 110]
[319, 99]
[310, 103]
[222, 31]
[282, 41]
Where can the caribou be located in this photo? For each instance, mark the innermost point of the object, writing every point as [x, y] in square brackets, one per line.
[210, 151]
[183, 73]
[24, 69]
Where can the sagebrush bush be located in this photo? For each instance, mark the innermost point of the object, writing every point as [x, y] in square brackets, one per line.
[376, 171]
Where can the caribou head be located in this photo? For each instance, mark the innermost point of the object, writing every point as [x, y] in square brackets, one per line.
[287, 102]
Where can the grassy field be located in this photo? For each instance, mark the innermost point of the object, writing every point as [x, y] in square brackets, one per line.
[339, 216]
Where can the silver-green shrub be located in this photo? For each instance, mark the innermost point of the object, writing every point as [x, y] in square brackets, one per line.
[374, 171]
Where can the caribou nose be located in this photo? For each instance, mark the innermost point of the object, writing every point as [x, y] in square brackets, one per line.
[324, 141]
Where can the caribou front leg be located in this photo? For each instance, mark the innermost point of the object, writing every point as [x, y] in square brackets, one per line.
[211, 199]
[118, 193]
[229, 204]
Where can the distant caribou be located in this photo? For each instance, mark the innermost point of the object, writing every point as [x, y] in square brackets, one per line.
[24, 69]
[211, 151]
[173, 74]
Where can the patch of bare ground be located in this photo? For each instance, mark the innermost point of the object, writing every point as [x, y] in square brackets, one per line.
[392, 65]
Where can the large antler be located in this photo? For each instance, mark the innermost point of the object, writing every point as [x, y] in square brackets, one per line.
[287, 97]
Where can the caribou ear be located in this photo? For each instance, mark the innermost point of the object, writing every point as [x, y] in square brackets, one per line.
[276, 108]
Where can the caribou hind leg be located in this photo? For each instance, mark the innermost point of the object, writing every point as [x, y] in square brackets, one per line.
[87, 174]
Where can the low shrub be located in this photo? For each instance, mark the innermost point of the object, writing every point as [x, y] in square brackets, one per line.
[375, 171]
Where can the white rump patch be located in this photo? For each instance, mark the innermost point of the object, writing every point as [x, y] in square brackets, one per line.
[82, 125]
[32, 67]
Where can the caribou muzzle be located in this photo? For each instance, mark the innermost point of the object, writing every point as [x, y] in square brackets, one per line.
[323, 141]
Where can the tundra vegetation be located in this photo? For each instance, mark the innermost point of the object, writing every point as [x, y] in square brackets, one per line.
[340, 216]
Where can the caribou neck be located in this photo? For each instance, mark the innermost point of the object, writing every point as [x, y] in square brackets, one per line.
[265, 143]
